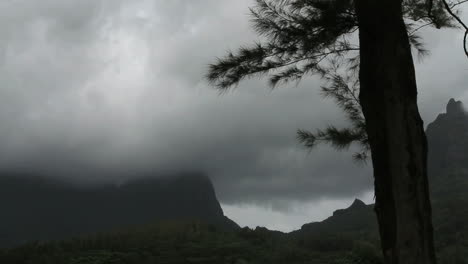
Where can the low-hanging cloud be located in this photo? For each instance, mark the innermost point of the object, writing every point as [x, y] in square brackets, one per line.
[108, 90]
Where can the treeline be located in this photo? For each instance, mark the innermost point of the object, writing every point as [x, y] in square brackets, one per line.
[189, 243]
[177, 243]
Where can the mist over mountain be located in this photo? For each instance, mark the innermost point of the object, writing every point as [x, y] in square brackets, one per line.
[34, 208]
[45, 209]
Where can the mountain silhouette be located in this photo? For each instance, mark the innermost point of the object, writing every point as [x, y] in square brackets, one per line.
[448, 179]
[34, 208]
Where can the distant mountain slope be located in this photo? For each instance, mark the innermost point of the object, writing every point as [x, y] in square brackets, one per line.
[341, 231]
[34, 208]
[448, 174]
[448, 177]
[356, 218]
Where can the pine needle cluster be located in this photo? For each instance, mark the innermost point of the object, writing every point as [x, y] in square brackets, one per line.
[318, 37]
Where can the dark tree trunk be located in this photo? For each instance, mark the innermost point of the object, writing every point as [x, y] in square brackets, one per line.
[396, 134]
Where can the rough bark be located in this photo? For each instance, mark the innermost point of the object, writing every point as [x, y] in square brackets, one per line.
[398, 144]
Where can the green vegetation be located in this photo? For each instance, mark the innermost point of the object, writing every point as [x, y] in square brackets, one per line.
[349, 236]
[188, 243]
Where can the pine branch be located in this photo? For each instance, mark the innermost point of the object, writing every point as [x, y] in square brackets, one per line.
[458, 19]
[420, 27]
[230, 70]
[416, 43]
[310, 37]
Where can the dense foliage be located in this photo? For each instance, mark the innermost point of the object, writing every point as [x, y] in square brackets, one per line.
[189, 243]
[350, 236]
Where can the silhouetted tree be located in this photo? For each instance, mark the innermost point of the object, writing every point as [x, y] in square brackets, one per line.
[316, 37]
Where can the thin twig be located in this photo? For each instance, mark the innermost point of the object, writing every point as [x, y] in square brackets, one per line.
[420, 27]
[450, 11]
[459, 3]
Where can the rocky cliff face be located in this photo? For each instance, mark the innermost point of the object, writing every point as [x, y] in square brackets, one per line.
[40, 209]
[448, 174]
[448, 150]
[448, 144]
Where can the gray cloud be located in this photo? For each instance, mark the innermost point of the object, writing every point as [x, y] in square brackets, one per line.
[106, 90]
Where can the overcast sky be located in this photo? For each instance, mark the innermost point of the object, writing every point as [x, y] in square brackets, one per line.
[104, 90]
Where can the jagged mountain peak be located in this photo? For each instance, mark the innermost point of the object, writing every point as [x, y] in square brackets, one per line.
[357, 204]
[455, 115]
[455, 107]
[448, 140]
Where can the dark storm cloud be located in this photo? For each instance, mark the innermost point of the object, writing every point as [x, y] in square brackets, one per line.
[106, 90]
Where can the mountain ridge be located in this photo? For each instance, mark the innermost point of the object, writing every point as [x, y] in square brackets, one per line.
[37, 208]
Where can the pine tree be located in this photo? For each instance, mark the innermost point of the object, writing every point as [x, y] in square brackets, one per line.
[372, 80]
